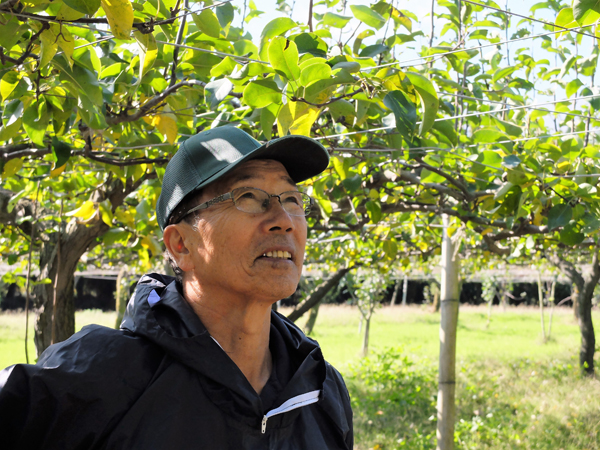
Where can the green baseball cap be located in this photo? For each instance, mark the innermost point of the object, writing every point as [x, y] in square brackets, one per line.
[209, 155]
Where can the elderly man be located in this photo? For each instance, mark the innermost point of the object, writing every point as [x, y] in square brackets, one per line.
[200, 362]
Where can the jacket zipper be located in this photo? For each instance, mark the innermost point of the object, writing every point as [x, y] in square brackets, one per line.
[291, 404]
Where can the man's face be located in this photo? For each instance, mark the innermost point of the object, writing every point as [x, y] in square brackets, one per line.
[229, 246]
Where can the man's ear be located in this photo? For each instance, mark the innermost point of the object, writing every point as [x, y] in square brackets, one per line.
[174, 239]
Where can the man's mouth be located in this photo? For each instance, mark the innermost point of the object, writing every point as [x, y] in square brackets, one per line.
[278, 254]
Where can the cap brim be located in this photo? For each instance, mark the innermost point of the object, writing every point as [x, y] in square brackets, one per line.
[302, 157]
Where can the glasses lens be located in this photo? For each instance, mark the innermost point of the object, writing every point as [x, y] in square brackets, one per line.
[295, 203]
[250, 200]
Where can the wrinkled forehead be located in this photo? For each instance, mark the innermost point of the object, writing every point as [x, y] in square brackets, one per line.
[249, 171]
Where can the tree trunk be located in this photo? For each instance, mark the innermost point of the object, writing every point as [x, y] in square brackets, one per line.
[365, 345]
[122, 298]
[446, 408]
[312, 319]
[395, 294]
[74, 243]
[582, 294]
[586, 327]
[551, 302]
[541, 300]
[436, 302]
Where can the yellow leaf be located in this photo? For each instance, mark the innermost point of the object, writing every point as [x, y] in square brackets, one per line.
[12, 167]
[57, 171]
[486, 231]
[304, 116]
[85, 211]
[120, 17]
[151, 244]
[49, 46]
[148, 51]
[166, 124]
[106, 212]
[537, 219]
[67, 13]
[451, 231]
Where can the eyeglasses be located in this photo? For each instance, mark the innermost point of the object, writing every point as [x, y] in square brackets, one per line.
[257, 201]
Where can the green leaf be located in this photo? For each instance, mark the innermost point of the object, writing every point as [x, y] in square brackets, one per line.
[267, 118]
[367, 16]
[567, 65]
[116, 236]
[342, 108]
[9, 82]
[581, 8]
[405, 113]
[349, 66]
[261, 93]
[225, 15]
[61, 152]
[13, 110]
[84, 6]
[216, 91]
[225, 67]
[87, 58]
[565, 19]
[511, 161]
[573, 86]
[429, 100]
[208, 23]
[283, 56]
[569, 235]
[335, 20]
[35, 121]
[371, 51]
[559, 216]
[314, 72]
[374, 210]
[391, 249]
[275, 27]
[445, 130]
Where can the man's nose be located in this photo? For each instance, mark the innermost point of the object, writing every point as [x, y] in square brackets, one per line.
[283, 219]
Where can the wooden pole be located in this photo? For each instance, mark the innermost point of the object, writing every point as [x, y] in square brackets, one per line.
[446, 408]
[404, 289]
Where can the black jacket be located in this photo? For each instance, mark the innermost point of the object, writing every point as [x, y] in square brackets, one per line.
[162, 382]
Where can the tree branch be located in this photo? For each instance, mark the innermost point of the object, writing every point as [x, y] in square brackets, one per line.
[317, 295]
[328, 102]
[153, 102]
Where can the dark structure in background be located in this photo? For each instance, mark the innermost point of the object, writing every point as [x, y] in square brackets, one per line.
[99, 293]
[90, 293]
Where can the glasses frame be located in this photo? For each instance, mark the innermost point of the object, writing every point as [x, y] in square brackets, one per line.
[229, 196]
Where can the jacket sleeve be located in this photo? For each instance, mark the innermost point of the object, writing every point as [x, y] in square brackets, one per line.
[336, 403]
[77, 392]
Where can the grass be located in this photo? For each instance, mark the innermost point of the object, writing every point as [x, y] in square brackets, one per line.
[513, 390]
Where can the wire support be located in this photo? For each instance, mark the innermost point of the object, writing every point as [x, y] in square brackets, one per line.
[483, 100]
[439, 55]
[531, 19]
[214, 52]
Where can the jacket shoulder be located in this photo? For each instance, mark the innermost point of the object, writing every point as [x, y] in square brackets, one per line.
[84, 385]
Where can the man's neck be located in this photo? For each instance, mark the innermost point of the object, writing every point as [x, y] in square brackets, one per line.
[242, 329]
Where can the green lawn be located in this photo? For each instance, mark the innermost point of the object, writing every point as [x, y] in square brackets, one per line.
[513, 391]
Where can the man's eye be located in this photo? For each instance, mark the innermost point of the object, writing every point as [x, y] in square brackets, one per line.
[292, 199]
[247, 195]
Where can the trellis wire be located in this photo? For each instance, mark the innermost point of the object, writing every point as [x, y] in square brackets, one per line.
[441, 119]
[485, 100]
[214, 52]
[532, 19]
[439, 55]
